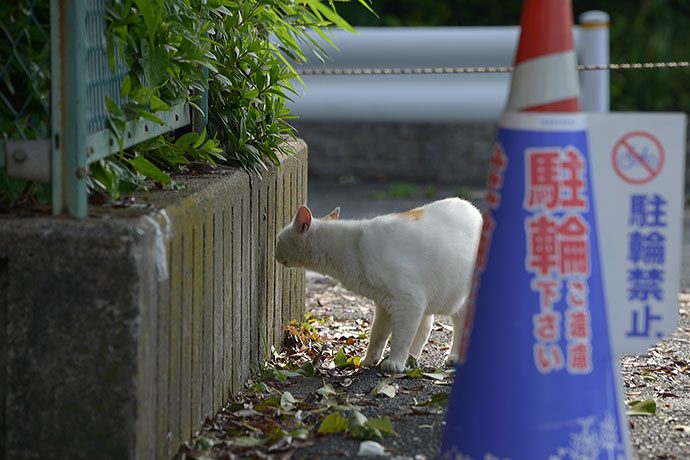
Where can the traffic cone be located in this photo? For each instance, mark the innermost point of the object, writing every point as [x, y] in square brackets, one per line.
[535, 377]
[545, 72]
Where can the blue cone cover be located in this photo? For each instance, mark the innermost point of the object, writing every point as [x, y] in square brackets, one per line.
[536, 378]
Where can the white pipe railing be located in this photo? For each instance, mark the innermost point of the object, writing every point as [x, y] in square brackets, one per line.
[429, 98]
[594, 50]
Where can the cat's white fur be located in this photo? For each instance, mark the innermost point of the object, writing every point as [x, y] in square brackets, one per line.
[412, 265]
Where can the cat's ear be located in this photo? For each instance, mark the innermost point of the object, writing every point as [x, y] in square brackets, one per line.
[333, 215]
[302, 219]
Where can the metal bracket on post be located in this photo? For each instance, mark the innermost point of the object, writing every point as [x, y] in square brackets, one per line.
[28, 159]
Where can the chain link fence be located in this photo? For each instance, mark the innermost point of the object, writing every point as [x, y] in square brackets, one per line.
[54, 80]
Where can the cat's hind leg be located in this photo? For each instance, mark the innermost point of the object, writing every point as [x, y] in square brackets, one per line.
[457, 318]
[378, 336]
[405, 319]
[422, 336]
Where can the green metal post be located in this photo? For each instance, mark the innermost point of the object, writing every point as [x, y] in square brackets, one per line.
[68, 110]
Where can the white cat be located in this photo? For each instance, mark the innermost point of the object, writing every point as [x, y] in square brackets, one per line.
[413, 265]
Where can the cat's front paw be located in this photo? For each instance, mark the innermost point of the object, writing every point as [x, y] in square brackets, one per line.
[392, 367]
[450, 360]
[368, 362]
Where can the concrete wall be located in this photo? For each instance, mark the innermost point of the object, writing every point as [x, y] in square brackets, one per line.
[439, 153]
[121, 333]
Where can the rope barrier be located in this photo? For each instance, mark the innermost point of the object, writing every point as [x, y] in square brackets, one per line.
[459, 70]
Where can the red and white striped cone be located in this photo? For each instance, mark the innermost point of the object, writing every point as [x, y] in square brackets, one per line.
[535, 378]
[545, 75]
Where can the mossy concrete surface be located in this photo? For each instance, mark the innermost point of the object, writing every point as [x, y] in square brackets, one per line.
[122, 332]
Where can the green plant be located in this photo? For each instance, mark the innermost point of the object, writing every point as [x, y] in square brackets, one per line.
[239, 51]
[265, 370]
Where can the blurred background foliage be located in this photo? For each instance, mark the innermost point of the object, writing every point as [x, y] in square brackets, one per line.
[641, 31]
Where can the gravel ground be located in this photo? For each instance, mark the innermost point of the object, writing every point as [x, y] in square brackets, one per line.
[664, 375]
[419, 431]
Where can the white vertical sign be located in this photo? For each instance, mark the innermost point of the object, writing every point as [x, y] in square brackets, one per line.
[638, 173]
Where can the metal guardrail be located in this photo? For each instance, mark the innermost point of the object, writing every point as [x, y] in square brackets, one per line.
[417, 74]
[69, 86]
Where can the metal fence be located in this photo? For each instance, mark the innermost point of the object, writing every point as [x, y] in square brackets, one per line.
[54, 78]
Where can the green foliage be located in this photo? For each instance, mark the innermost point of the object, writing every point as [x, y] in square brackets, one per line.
[25, 70]
[641, 31]
[238, 51]
[252, 52]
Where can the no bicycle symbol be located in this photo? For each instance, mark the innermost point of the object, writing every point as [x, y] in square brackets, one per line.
[638, 157]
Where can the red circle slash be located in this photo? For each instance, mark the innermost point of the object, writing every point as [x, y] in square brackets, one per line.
[638, 157]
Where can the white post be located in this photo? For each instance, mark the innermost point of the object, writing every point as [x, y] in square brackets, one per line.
[594, 50]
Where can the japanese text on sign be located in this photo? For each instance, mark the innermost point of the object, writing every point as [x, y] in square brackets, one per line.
[647, 226]
[558, 256]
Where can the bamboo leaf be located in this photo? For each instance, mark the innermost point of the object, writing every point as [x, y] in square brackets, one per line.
[148, 169]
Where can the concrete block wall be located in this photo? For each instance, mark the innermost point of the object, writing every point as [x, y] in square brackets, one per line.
[121, 333]
[435, 153]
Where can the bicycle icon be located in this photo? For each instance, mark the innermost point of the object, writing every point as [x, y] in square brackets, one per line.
[638, 157]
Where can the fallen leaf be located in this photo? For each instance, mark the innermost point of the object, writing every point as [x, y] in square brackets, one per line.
[438, 375]
[355, 420]
[247, 441]
[334, 423]
[326, 390]
[648, 376]
[300, 433]
[642, 408]
[204, 443]
[382, 424]
[287, 401]
[437, 400]
[246, 413]
[415, 373]
[384, 387]
[340, 358]
[371, 448]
